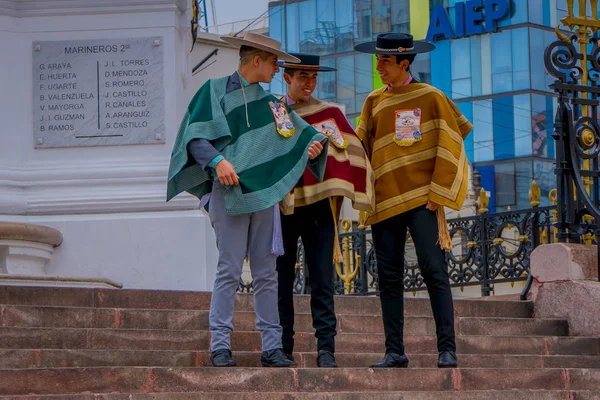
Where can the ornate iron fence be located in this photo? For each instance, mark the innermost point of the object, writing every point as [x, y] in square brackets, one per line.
[574, 60]
[488, 249]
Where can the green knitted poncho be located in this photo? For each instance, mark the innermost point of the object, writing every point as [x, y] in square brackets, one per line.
[268, 164]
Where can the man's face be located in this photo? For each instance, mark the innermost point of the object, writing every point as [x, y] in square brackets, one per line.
[266, 68]
[301, 84]
[389, 70]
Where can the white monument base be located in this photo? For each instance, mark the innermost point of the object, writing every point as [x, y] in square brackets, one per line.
[172, 250]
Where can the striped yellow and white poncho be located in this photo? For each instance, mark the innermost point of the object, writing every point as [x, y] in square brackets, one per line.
[434, 167]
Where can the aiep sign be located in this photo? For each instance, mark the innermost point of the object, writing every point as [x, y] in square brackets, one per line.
[472, 17]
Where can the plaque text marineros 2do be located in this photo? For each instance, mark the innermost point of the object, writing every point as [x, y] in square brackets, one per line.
[98, 92]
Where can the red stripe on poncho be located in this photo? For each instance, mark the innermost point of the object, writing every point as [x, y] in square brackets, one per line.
[347, 173]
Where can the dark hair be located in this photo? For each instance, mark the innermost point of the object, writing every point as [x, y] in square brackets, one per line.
[290, 71]
[247, 52]
[409, 57]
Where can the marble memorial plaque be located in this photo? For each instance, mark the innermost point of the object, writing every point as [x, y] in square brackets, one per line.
[98, 92]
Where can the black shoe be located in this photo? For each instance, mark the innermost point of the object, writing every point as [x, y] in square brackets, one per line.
[447, 359]
[326, 359]
[392, 360]
[222, 358]
[276, 358]
[290, 356]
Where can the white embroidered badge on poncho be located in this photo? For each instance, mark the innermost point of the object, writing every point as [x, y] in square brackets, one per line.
[331, 129]
[283, 122]
[408, 127]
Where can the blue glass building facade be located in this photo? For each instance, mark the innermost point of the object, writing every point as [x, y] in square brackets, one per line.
[497, 79]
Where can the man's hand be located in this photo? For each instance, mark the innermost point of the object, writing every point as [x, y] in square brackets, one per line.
[431, 206]
[226, 173]
[314, 150]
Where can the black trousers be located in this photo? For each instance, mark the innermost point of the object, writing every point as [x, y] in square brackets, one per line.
[389, 238]
[314, 224]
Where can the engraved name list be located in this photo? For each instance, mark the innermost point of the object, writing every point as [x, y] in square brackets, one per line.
[98, 92]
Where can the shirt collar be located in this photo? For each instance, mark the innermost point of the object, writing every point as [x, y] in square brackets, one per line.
[288, 100]
[243, 80]
[409, 80]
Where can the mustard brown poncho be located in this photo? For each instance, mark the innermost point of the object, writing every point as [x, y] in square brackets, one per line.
[411, 170]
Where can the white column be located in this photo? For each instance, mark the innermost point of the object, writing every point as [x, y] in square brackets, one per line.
[107, 201]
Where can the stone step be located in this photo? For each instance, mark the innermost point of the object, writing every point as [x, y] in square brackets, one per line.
[79, 317]
[157, 299]
[442, 395]
[51, 358]
[148, 380]
[69, 338]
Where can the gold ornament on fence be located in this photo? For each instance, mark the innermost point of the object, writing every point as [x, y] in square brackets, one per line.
[535, 194]
[350, 272]
[483, 201]
[587, 137]
[587, 25]
[553, 197]
[362, 219]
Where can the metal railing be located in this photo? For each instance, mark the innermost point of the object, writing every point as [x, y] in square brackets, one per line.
[574, 60]
[488, 249]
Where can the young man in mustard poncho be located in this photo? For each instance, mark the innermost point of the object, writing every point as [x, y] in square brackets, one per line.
[414, 137]
[246, 149]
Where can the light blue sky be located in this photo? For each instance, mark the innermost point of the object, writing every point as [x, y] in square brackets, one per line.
[236, 10]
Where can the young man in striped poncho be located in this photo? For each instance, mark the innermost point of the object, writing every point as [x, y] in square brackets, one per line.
[312, 209]
[246, 149]
[414, 136]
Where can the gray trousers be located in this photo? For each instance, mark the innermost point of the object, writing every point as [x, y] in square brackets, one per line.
[238, 236]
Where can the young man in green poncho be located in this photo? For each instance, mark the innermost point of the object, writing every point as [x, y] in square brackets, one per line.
[245, 149]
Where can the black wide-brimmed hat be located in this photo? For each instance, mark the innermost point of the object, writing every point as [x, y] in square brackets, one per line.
[308, 62]
[395, 44]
